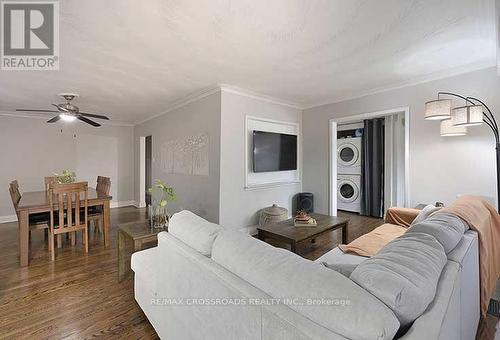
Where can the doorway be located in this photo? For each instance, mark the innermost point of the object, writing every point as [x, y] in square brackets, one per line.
[343, 151]
[148, 165]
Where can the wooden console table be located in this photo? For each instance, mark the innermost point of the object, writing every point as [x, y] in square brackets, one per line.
[131, 238]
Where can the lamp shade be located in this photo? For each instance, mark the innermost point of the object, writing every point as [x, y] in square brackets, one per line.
[467, 115]
[447, 129]
[438, 109]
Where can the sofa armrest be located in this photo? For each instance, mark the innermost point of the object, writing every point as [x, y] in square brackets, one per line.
[401, 216]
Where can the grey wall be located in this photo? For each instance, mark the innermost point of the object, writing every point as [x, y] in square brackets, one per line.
[32, 149]
[238, 207]
[440, 167]
[199, 194]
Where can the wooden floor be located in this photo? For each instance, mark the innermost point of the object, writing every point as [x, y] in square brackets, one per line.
[78, 296]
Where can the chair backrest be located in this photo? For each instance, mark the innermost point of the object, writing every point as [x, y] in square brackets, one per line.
[15, 195]
[48, 181]
[68, 199]
[103, 184]
[15, 183]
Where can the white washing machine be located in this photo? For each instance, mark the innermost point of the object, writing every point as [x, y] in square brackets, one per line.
[349, 156]
[349, 192]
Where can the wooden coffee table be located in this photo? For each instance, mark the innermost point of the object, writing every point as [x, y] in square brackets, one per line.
[131, 238]
[286, 232]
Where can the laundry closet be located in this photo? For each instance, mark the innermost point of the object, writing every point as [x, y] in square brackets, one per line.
[371, 165]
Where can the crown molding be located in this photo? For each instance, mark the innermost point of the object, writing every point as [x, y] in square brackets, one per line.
[259, 96]
[183, 102]
[221, 88]
[416, 81]
[42, 117]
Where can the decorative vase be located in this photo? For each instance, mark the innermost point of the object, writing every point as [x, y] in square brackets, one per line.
[158, 213]
[160, 217]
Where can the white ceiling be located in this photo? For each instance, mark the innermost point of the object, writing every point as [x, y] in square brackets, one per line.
[132, 59]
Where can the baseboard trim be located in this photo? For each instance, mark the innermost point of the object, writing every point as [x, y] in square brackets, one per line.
[8, 218]
[122, 204]
[139, 204]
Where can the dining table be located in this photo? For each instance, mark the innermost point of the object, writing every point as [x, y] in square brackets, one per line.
[34, 202]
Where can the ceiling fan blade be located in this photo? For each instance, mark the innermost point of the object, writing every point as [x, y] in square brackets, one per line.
[93, 115]
[88, 121]
[30, 110]
[53, 120]
[60, 108]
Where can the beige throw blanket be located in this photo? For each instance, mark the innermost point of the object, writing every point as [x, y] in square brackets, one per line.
[369, 244]
[397, 221]
[483, 218]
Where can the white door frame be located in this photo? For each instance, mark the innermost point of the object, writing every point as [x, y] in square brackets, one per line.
[333, 124]
[142, 172]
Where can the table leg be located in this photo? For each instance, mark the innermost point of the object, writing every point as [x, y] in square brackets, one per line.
[23, 238]
[122, 265]
[107, 222]
[344, 234]
[293, 247]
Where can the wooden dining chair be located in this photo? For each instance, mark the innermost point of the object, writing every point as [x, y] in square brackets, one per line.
[36, 221]
[15, 184]
[72, 213]
[48, 181]
[14, 193]
[103, 184]
[95, 213]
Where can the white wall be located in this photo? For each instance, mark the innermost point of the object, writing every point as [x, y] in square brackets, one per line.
[440, 167]
[199, 194]
[31, 149]
[238, 206]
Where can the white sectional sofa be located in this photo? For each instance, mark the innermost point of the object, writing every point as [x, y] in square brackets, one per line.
[204, 282]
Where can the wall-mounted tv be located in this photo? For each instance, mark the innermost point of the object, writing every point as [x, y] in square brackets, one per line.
[274, 151]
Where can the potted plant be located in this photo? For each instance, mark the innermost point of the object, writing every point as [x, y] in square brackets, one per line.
[67, 176]
[161, 194]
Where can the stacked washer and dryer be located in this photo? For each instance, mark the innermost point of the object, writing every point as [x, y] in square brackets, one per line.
[349, 174]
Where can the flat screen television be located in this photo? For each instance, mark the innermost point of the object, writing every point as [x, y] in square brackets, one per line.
[274, 151]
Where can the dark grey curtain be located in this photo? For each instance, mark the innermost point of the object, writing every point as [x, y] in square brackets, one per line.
[372, 178]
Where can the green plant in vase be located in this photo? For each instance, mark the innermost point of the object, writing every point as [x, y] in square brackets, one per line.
[161, 194]
[67, 176]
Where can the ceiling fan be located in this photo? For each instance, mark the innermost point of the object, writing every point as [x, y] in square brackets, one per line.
[69, 112]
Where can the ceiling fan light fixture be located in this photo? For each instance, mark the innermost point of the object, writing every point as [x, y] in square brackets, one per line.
[67, 117]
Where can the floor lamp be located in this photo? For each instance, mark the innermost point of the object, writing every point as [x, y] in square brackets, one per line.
[455, 120]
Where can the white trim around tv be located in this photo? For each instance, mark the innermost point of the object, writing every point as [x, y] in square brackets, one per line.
[272, 179]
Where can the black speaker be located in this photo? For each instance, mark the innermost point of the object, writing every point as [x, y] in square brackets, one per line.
[305, 202]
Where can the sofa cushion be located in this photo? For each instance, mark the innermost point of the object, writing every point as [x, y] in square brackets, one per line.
[404, 274]
[346, 308]
[342, 268]
[338, 256]
[448, 229]
[194, 231]
[426, 212]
